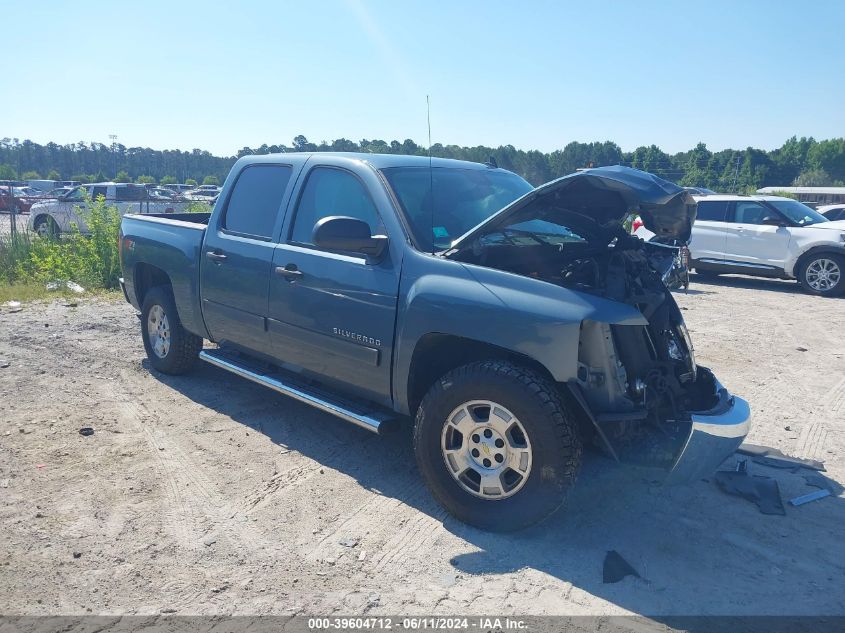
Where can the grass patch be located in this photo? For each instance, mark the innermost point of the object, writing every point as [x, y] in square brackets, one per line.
[29, 292]
[91, 260]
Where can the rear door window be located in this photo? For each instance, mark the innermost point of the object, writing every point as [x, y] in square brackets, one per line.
[712, 210]
[96, 192]
[751, 213]
[131, 194]
[256, 200]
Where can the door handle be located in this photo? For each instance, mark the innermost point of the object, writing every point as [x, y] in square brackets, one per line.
[218, 258]
[290, 272]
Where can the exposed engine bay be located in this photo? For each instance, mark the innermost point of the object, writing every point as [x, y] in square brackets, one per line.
[637, 382]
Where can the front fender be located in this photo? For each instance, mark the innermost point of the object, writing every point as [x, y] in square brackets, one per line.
[816, 248]
[523, 315]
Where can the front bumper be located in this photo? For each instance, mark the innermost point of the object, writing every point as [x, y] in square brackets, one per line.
[714, 436]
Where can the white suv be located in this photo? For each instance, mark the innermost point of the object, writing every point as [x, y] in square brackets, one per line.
[53, 217]
[769, 236]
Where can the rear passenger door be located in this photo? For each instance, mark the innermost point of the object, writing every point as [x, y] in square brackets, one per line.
[237, 255]
[708, 232]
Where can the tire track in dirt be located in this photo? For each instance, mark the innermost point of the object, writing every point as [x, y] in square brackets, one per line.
[195, 509]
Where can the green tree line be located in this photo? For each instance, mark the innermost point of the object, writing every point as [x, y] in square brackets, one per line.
[800, 161]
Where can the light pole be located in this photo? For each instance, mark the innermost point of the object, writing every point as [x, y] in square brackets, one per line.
[113, 138]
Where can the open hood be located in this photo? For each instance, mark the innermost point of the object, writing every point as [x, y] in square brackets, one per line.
[598, 200]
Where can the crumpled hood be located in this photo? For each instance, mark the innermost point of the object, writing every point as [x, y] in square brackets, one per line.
[603, 196]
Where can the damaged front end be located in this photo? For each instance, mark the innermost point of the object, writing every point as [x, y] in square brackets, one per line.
[647, 399]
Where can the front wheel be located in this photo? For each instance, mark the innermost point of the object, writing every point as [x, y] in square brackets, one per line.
[496, 445]
[823, 274]
[45, 226]
[170, 348]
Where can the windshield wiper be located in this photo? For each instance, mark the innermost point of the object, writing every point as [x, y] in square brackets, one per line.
[529, 234]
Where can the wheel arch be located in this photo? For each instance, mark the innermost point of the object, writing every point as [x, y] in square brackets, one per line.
[822, 249]
[147, 276]
[435, 354]
[51, 221]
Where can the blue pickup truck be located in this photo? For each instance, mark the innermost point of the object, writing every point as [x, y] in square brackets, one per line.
[510, 325]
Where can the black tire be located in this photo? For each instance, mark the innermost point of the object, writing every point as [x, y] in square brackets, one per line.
[46, 227]
[550, 427]
[806, 265]
[183, 348]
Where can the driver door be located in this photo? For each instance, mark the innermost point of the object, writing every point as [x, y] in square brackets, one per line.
[332, 314]
[753, 237]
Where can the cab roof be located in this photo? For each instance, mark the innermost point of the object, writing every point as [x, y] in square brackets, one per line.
[378, 161]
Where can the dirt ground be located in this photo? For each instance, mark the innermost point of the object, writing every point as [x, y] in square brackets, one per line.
[206, 494]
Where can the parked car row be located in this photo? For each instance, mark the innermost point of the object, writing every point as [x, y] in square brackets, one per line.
[53, 217]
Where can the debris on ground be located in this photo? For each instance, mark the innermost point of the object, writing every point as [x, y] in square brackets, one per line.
[763, 491]
[349, 541]
[4, 364]
[817, 481]
[768, 456]
[801, 349]
[812, 496]
[616, 568]
[70, 285]
[86, 431]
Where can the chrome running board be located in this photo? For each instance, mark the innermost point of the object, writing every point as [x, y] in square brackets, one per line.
[288, 384]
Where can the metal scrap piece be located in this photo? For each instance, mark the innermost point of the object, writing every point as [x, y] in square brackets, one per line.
[763, 491]
[812, 496]
[773, 457]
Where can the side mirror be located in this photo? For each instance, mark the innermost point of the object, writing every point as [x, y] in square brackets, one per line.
[773, 221]
[340, 233]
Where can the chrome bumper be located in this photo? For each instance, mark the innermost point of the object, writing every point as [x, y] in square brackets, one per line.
[714, 436]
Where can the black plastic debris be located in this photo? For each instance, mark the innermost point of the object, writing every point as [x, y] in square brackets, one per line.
[86, 431]
[818, 481]
[763, 491]
[768, 456]
[616, 568]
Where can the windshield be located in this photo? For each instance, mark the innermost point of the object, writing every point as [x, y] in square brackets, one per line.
[532, 232]
[800, 214]
[443, 203]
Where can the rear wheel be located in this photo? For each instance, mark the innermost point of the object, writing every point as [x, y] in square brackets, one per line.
[169, 346]
[823, 274]
[496, 445]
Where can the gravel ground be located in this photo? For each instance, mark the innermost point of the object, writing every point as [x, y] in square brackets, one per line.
[206, 494]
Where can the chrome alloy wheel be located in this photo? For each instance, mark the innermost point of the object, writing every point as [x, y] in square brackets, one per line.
[823, 274]
[158, 329]
[486, 449]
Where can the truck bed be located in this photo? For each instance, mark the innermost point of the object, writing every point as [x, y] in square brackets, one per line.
[192, 219]
[165, 245]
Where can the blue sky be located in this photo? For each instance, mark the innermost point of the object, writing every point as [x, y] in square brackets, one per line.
[536, 75]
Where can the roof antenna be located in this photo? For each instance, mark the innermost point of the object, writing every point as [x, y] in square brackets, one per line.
[430, 171]
[491, 162]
